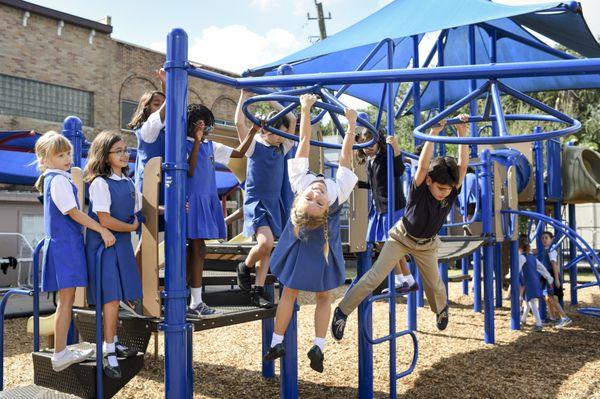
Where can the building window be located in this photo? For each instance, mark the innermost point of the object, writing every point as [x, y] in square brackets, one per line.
[32, 99]
[32, 227]
[127, 111]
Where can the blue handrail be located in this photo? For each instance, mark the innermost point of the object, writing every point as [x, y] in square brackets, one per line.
[98, 298]
[34, 292]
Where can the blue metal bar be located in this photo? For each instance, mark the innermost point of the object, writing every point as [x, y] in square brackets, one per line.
[574, 261]
[72, 130]
[538, 152]
[573, 256]
[380, 109]
[515, 310]
[561, 237]
[420, 295]
[495, 94]
[441, 95]
[493, 46]
[288, 388]
[498, 273]
[177, 383]
[99, 325]
[464, 269]
[268, 368]
[477, 281]
[472, 87]
[416, 87]
[365, 350]
[36, 296]
[488, 250]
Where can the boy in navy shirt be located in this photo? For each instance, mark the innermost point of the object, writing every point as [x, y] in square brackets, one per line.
[432, 192]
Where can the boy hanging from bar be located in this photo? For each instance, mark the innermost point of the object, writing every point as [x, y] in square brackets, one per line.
[434, 188]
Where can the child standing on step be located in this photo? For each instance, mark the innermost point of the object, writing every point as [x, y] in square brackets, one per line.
[433, 190]
[205, 219]
[263, 206]
[550, 261]
[114, 202]
[63, 265]
[309, 256]
[375, 157]
[530, 273]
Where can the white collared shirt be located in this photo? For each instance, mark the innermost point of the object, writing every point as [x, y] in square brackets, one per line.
[339, 189]
[61, 191]
[100, 194]
[287, 145]
[221, 152]
[152, 127]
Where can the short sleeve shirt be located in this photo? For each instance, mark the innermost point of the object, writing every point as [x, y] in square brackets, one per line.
[424, 215]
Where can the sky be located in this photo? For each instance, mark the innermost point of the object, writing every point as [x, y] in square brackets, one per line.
[235, 35]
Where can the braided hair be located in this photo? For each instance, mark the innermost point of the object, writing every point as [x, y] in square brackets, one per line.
[302, 219]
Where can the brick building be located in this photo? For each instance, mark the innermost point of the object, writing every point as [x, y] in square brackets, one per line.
[54, 64]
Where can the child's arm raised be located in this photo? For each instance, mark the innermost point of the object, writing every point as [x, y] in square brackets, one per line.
[240, 151]
[239, 117]
[193, 158]
[346, 153]
[306, 103]
[426, 154]
[463, 150]
[86, 221]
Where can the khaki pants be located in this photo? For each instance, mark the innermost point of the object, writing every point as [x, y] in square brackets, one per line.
[397, 246]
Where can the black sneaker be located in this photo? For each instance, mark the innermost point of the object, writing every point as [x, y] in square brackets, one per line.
[123, 351]
[243, 277]
[110, 371]
[338, 323]
[316, 358]
[259, 298]
[275, 352]
[442, 319]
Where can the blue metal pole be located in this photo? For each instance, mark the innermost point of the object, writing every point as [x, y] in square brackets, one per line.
[420, 294]
[515, 311]
[268, 368]
[36, 296]
[498, 273]
[464, 269]
[390, 209]
[540, 204]
[177, 383]
[416, 87]
[488, 251]
[289, 363]
[477, 281]
[365, 349]
[472, 87]
[72, 130]
[558, 216]
[99, 329]
[572, 256]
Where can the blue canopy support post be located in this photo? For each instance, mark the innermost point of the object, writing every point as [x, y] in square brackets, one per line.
[176, 330]
[288, 388]
[488, 250]
[472, 88]
[498, 273]
[411, 314]
[390, 209]
[477, 281]
[558, 216]
[540, 204]
[464, 269]
[268, 325]
[365, 318]
[515, 311]
[572, 256]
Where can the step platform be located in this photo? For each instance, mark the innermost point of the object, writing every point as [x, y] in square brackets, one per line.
[80, 379]
[34, 392]
[224, 275]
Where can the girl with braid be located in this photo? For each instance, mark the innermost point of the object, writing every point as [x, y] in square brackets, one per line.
[308, 256]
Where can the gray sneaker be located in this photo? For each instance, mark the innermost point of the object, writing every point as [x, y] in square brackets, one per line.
[203, 311]
[537, 329]
[70, 357]
[565, 321]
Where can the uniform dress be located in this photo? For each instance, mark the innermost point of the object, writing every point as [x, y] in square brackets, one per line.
[531, 272]
[545, 256]
[63, 253]
[205, 213]
[263, 202]
[120, 278]
[299, 262]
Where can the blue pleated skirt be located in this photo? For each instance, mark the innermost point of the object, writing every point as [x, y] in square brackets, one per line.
[377, 230]
[205, 217]
[263, 212]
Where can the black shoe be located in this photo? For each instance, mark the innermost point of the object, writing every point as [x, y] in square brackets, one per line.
[442, 319]
[110, 371]
[123, 351]
[274, 352]
[316, 358]
[338, 323]
[243, 277]
[259, 298]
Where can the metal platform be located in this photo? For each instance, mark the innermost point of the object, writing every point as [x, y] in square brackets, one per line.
[34, 392]
[220, 277]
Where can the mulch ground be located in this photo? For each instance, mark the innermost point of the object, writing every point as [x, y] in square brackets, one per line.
[454, 363]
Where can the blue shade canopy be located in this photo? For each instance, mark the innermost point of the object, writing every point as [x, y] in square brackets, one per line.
[402, 19]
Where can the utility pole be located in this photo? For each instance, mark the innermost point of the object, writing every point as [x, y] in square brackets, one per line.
[321, 18]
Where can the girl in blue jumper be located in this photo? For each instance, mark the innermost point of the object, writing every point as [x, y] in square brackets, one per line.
[309, 256]
[205, 219]
[263, 205]
[531, 271]
[114, 202]
[63, 265]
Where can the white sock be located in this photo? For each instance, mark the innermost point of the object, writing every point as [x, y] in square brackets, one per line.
[277, 339]
[59, 355]
[398, 280]
[108, 348]
[409, 279]
[536, 312]
[320, 342]
[196, 297]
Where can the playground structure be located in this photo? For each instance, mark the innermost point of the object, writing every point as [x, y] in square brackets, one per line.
[509, 175]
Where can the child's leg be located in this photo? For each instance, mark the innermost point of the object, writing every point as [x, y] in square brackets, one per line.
[536, 312]
[138, 255]
[285, 309]
[525, 311]
[557, 310]
[408, 277]
[388, 258]
[322, 316]
[62, 318]
[110, 320]
[435, 290]
[263, 247]
[196, 263]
